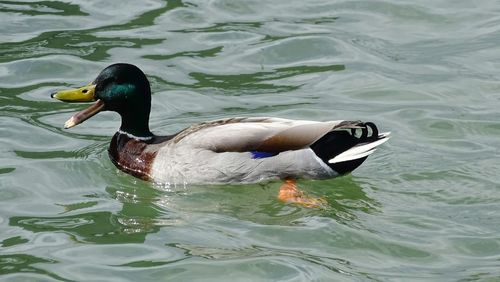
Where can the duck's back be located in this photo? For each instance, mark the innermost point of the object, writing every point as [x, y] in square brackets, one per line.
[255, 149]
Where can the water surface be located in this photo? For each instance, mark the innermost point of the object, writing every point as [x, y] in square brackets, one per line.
[423, 207]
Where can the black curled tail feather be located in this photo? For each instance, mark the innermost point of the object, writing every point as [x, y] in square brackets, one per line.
[369, 132]
[345, 136]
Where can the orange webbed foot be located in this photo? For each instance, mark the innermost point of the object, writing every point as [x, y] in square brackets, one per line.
[289, 193]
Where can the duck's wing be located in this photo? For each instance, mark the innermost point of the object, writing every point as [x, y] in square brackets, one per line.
[258, 134]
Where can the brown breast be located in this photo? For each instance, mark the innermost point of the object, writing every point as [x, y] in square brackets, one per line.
[133, 156]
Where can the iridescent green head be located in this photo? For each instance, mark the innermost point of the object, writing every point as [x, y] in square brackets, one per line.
[122, 88]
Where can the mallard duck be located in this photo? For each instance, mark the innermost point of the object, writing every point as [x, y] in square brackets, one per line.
[239, 149]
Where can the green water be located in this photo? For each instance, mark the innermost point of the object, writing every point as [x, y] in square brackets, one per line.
[424, 207]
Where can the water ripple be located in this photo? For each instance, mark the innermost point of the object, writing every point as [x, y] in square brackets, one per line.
[423, 207]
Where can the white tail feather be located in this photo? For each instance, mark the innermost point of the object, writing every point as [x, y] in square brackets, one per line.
[340, 159]
[360, 151]
[384, 134]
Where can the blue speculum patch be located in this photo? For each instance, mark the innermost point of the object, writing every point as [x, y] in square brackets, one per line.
[262, 155]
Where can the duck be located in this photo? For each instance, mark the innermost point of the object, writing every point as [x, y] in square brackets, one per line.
[228, 150]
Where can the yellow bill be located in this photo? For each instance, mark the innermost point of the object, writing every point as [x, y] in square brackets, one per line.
[82, 94]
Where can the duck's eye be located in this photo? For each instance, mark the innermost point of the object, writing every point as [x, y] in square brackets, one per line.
[85, 91]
